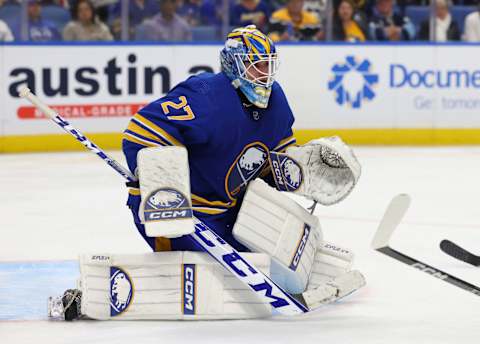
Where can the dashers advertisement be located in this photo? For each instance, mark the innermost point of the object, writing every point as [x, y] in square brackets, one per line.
[383, 86]
[328, 86]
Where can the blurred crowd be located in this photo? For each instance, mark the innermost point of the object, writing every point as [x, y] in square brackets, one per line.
[209, 20]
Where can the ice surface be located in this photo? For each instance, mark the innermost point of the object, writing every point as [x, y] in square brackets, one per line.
[55, 206]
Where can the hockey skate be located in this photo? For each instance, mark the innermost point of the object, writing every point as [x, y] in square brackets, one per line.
[67, 307]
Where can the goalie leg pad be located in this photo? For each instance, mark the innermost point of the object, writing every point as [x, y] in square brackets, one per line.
[165, 208]
[330, 261]
[167, 286]
[272, 223]
[332, 277]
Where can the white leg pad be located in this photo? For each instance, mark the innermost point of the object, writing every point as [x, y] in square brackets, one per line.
[272, 223]
[330, 261]
[332, 277]
[167, 285]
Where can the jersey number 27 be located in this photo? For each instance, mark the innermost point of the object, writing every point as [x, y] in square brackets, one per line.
[178, 106]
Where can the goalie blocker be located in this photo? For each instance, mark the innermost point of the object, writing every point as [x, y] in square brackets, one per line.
[164, 180]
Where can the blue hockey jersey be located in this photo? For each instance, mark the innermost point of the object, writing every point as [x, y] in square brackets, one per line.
[228, 142]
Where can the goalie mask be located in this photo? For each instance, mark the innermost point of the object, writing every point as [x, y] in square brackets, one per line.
[249, 59]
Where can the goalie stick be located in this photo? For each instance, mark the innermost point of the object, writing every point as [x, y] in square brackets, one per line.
[460, 253]
[393, 215]
[213, 244]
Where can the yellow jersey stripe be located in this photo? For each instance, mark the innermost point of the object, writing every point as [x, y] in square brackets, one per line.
[134, 191]
[210, 211]
[197, 200]
[135, 128]
[137, 140]
[157, 130]
[285, 140]
[285, 143]
[163, 244]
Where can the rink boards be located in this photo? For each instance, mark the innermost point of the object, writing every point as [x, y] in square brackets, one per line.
[369, 94]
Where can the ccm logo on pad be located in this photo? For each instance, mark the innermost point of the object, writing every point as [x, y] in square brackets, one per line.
[300, 247]
[189, 289]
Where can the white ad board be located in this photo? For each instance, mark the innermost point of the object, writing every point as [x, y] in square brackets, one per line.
[98, 87]
[383, 86]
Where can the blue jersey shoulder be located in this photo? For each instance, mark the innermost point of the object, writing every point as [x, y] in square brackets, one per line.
[192, 99]
[185, 112]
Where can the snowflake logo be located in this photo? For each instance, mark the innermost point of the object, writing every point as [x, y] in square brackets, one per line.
[352, 82]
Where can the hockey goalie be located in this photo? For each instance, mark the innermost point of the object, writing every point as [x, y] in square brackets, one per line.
[219, 150]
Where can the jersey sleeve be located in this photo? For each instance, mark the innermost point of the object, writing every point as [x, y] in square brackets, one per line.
[178, 119]
[287, 138]
[286, 142]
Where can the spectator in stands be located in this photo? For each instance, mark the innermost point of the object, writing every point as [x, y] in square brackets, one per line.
[39, 30]
[101, 8]
[191, 11]
[345, 26]
[472, 26]
[201, 12]
[388, 25]
[138, 10]
[61, 3]
[85, 26]
[292, 23]
[5, 33]
[317, 7]
[446, 28]
[248, 12]
[363, 10]
[165, 26]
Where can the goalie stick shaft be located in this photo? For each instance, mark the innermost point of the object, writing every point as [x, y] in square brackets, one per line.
[65, 125]
[392, 218]
[213, 244]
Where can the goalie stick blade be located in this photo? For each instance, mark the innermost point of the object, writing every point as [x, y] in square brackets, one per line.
[391, 219]
[459, 253]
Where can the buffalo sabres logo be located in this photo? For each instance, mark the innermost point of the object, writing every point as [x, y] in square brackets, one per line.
[164, 198]
[287, 172]
[166, 203]
[121, 291]
[252, 159]
[246, 167]
[292, 173]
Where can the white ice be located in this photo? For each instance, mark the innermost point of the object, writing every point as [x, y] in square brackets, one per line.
[56, 206]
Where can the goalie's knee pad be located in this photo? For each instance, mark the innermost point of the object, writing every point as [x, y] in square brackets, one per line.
[167, 285]
[272, 223]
